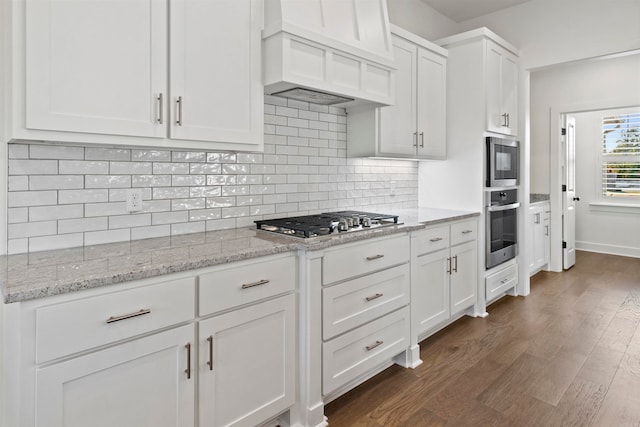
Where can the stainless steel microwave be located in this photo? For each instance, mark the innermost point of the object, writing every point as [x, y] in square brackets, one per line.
[503, 162]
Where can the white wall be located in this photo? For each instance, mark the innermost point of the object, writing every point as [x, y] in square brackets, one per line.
[557, 31]
[598, 229]
[421, 19]
[598, 84]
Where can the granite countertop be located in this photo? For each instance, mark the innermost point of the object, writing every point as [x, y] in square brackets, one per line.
[35, 275]
[538, 197]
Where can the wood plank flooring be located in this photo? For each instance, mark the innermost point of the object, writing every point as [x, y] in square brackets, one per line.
[566, 355]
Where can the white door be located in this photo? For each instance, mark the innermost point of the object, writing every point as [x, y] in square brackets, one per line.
[247, 364]
[431, 104]
[569, 196]
[398, 122]
[96, 66]
[216, 71]
[139, 383]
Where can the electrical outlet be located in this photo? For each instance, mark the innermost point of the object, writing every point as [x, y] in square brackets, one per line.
[134, 200]
[392, 188]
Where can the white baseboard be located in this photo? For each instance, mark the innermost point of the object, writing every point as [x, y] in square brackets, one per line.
[608, 249]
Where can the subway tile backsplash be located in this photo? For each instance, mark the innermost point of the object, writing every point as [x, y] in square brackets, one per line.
[66, 196]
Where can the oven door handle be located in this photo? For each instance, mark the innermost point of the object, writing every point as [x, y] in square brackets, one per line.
[498, 208]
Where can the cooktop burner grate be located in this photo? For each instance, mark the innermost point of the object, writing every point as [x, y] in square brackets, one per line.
[326, 223]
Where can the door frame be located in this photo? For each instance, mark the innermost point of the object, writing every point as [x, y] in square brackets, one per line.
[555, 167]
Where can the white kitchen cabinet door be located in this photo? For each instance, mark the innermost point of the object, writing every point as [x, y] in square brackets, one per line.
[139, 383]
[502, 90]
[464, 276]
[537, 224]
[96, 66]
[216, 80]
[247, 364]
[398, 123]
[431, 104]
[430, 290]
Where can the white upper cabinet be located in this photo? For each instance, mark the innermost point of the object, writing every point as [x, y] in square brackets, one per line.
[215, 88]
[502, 90]
[415, 126]
[95, 67]
[182, 73]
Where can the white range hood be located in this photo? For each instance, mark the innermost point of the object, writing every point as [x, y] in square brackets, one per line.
[315, 50]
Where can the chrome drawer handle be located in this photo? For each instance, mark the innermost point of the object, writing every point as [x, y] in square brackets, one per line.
[467, 231]
[372, 297]
[372, 346]
[371, 258]
[435, 239]
[160, 100]
[179, 107]
[258, 283]
[142, 312]
[503, 281]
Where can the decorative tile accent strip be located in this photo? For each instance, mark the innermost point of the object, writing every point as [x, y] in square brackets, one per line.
[66, 196]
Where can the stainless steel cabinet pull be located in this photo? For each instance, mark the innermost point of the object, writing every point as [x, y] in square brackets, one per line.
[372, 346]
[422, 139]
[435, 239]
[160, 109]
[504, 122]
[503, 281]
[210, 361]
[372, 297]
[179, 107]
[258, 283]
[537, 220]
[372, 257]
[508, 120]
[449, 265]
[415, 138]
[455, 269]
[467, 231]
[546, 230]
[188, 370]
[142, 312]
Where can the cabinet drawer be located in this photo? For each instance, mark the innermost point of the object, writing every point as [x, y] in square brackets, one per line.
[246, 282]
[465, 231]
[350, 304]
[70, 327]
[351, 355]
[501, 281]
[364, 257]
[430, 240]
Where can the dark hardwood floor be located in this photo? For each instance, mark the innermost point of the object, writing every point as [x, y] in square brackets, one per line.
[566, 355]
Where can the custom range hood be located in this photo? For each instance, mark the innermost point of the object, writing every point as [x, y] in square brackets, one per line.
[329, 51]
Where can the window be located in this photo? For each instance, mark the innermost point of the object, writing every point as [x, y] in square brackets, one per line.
[620, 156]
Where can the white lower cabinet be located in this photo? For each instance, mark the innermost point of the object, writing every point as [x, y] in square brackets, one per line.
[247, 364]
[145, 382]
[365, 308]
[138, 354]
[539, 244]
[444, 271]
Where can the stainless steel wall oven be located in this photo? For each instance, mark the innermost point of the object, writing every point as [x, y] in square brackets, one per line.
[502, 226]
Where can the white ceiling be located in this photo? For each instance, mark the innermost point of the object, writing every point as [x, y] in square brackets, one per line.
[461, 10]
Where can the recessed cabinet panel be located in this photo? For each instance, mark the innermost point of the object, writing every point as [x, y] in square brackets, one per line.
[464, 276]
[502, 90]
[216, 92]
[398, 122]
[247, 364]
[431, 102]
[96, 66]
[139, 383]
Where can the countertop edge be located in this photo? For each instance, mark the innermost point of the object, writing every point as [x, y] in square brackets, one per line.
[280, 245]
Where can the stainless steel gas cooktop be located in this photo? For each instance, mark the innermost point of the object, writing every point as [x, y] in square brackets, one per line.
[327, 223]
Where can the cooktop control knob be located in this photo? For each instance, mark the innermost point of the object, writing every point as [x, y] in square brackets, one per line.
[343, 225]
[366, 221]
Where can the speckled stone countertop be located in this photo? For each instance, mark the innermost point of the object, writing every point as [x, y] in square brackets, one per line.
[25, 277]
[538, 197]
